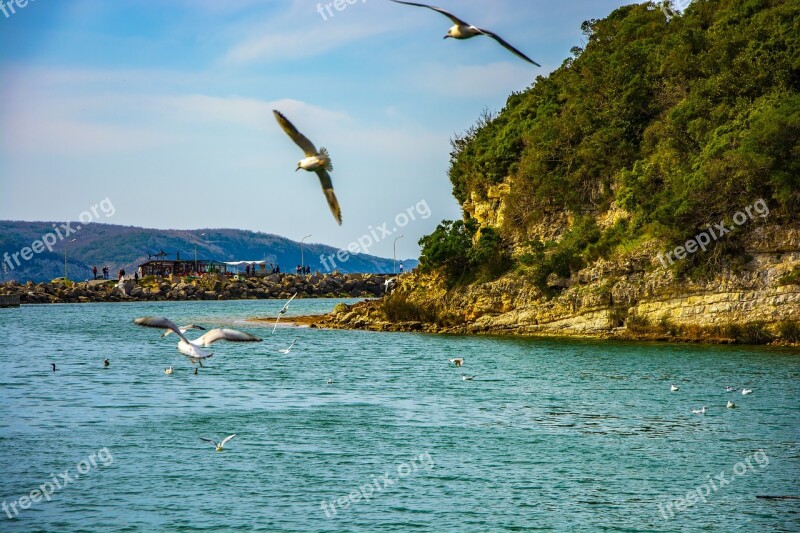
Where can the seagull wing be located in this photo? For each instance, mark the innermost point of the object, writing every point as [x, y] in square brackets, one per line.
[224, 334]
[299, 139]
[192, 326]
[447, 14]
[276, 324]
[159, 322]
[508, 46]
[226, 439]
[208, 440]
[327, 188]
[286, 305]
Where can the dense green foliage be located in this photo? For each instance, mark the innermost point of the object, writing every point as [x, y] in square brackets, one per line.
[681, 122]
[464, 252]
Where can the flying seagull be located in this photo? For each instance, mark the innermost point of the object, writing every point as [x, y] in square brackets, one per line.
[194, 349]
[184, 329]
[464, 30]
[315, 161]
[221, 445]
[287, 350]
[283, 311]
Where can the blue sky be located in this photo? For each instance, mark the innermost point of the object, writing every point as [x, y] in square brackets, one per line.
[165, 108]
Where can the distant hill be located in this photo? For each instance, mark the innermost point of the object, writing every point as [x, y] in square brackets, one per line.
[125, 247]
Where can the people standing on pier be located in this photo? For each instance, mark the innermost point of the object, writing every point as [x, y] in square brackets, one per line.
[105, 272]
[94, 272]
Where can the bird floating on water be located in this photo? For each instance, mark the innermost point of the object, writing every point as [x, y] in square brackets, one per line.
[674, 388]
[699, 411]
[287, 350]
[330, 380]
[458, 361]
[54, 366]
[467, 378]
[194, 349]
[283, 311]
[730, 405]
[221, 445]
[106, 362]
[731, 389]
[315, 161]
[464, 30]
[745, 392]
[168, 370]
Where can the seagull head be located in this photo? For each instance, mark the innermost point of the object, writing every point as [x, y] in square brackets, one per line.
[299, 166]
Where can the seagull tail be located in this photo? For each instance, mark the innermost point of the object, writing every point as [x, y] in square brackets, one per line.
[323, 152]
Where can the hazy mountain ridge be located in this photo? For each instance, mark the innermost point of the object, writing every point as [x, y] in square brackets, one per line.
[125, 247]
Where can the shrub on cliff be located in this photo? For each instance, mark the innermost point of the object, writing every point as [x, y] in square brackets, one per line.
[464, 252]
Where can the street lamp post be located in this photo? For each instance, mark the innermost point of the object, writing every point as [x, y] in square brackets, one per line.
[394, 246]
[195, 252]
[65, 258]
[302, 257]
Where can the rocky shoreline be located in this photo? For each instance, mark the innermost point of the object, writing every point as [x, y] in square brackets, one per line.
[369, 316]
[276, 286]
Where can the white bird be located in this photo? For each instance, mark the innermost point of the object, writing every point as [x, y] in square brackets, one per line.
[330, 380]
[467, 378]
[168, 370]
[745, 392]
[221, 445]
[287, 350]
[315, 161]
[283, 311]
[699, 411]
[674, 388]
[731, 389]
[183, 329]
[388, 284]
[464, 30]
[730, 405]
[194, 349]
[458, 361]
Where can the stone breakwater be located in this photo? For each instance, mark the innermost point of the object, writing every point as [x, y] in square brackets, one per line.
[277, 286]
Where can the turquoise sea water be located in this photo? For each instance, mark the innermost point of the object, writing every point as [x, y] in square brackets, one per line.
[550, 435]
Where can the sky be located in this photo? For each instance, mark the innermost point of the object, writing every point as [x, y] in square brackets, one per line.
[164, 109]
